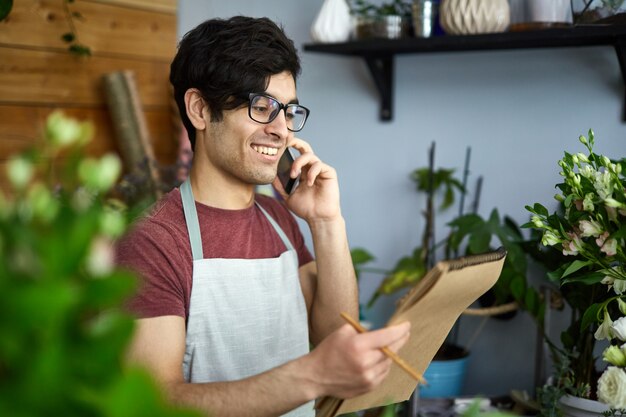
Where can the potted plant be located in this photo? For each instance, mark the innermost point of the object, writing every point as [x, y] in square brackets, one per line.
[468, 234]
[64, 335]
[390, 20]
[598, 11]
[589, 232]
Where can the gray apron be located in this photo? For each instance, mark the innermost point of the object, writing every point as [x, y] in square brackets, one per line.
[246, 316]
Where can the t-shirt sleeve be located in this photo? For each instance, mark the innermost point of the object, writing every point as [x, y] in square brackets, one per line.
[153, 253]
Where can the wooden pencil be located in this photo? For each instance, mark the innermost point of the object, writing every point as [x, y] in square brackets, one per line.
[390, 354]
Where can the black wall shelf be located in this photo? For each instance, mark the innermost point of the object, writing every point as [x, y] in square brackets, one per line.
[379, 54]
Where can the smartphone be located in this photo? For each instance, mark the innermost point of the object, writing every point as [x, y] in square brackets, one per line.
[284, 168]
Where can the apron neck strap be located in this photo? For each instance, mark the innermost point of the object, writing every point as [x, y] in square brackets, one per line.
[191, 218]
[193, 226]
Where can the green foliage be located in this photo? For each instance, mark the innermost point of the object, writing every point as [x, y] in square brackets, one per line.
[63, 331]
[589, 233]
[441, 178]
[479, 235]
[5, 8]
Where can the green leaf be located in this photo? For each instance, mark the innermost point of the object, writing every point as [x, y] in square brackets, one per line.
[540, 210]
[590, 317]
[360, 256]
[587, 279]
[68, 37]
[518, 288]
[5, 8]
[575, 266]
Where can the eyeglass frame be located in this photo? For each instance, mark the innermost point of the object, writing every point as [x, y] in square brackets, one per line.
[281, 107]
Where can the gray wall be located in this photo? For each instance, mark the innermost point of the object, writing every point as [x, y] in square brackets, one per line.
[517, 110]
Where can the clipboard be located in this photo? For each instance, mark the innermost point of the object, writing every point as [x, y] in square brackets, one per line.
[432, 306]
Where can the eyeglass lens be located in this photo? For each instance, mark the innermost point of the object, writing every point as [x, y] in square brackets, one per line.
[264, 109]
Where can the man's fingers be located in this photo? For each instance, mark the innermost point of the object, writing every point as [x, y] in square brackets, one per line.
[386, 336]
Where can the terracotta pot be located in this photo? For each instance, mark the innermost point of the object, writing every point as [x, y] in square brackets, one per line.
[466, 17]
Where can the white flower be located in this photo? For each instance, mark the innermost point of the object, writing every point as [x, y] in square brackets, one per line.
[100, 260]
[604, 330]
[603, 185]
[590, 228]
[619, 329]
[612, 387]
[619, 286]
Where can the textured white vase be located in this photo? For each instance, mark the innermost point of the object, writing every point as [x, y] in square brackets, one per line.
[332, 23]
[466, 17]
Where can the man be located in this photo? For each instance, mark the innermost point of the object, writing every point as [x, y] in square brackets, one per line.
[231, 299]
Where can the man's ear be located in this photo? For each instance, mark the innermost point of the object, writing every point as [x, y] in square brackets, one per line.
[197, 109]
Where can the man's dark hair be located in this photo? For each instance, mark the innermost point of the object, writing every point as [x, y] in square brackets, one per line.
[225, 59]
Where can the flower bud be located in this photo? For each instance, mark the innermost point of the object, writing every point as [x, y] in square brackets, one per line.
[605, 161]
[611, 202]
[604, 330]
[559, 197]
[622, 305]
[536, 220]
[582, 157]
[582, 139]
[614, 355]
[20, 171]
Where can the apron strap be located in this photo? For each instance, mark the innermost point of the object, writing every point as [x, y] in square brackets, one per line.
[191, 218]
[276, 227]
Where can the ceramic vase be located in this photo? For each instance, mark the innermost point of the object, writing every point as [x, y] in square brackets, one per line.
[466, 17]
[580, 407]
[332, 23]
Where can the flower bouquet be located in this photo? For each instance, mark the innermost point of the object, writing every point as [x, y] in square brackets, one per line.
[590, 232]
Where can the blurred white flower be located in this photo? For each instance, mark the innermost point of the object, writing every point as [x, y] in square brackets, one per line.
[612, 387]
[618, 328]
[590, 228]
[20, 171]
[609, 247]
[100, 260]
[604, 330]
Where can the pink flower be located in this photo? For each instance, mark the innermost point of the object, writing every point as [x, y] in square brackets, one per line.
[600, 240]
[573, 246]
[590, 228]
[609, 247]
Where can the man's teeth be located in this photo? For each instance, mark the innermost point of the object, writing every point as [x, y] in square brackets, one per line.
[265, 150]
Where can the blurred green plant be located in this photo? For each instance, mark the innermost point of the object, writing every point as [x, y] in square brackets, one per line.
[471, 232]
[63, 332]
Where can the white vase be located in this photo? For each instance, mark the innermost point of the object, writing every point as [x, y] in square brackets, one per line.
[332, 23]
[466, 17]
[550, 11]
[581, 407]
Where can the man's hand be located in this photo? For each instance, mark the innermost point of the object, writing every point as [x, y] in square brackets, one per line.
[317, 195]
[347, 364]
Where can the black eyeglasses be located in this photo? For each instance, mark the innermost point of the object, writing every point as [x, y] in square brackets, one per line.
[263, 108]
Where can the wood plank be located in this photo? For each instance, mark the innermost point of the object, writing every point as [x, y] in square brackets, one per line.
[21, 127]
[105, 28]
[43, 77]
[163, 6]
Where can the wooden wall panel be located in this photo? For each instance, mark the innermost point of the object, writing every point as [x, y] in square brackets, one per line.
[38, 74]
[30, 76]
[22, 126]
[105, 29]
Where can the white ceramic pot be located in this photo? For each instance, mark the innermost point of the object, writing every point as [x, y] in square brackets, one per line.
[550, 11]
[581, 407]
[465, 17]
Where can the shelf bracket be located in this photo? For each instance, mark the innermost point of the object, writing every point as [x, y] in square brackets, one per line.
[381, 68]
[620, 49]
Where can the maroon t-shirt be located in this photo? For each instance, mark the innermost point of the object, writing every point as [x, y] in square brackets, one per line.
[157, 248]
